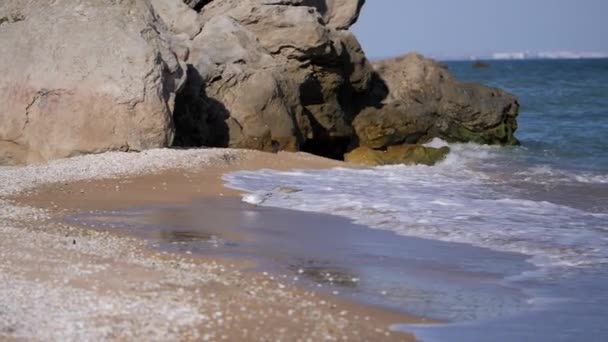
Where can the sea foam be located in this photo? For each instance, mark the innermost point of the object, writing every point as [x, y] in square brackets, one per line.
[468, 198]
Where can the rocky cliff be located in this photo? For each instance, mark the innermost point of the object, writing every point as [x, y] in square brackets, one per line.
[86, 76]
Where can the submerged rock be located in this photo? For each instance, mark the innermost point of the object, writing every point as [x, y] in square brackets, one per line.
[480, 65]
[397, 154]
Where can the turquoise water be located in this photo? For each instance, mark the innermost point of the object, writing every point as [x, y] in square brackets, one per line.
[546, 201]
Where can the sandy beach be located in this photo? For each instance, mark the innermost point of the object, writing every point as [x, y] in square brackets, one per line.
[64, 281]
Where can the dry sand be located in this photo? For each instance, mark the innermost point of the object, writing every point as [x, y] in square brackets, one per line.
[61, 282]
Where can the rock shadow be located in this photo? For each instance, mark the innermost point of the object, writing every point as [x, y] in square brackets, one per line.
[197, 5]
[199, 119]
[320, 5]
[377, 93]
[323, 143]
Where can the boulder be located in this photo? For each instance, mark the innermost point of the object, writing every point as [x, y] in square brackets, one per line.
[397, 154]
[84, 77]
[464, 111]
[391, 124]
[471, 112]
[272, 75]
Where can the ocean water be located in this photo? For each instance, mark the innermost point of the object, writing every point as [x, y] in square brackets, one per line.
[546, 200]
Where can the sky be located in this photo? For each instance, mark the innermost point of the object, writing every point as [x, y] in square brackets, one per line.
[473, 27]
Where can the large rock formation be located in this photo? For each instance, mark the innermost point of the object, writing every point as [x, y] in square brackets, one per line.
[83, 77]
[274, 75]
[287, 74]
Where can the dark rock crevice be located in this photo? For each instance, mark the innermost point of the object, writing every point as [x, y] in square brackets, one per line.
[197, 5]
[199, 120]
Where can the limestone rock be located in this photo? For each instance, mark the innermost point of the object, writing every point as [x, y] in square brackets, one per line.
[84, 77]
[272, 75]
[342, 14]
[397, 154]
[179, 18]
[471, 112]
[464, 111]
[293, 31]
[240, 88]
[337, 14]
[380, 128]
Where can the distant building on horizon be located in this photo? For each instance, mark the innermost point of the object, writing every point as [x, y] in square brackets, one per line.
[525, 55]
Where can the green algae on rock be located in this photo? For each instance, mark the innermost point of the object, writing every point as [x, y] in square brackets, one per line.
[501, 134]
[406, 154]
[379, 128]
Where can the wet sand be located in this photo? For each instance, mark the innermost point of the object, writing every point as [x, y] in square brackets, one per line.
[316, 251]
[123, 289]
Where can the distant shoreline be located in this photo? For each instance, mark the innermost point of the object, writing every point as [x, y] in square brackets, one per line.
[490, 59]
[493, 59]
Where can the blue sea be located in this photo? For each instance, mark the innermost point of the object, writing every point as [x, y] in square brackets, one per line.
[534, 217]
